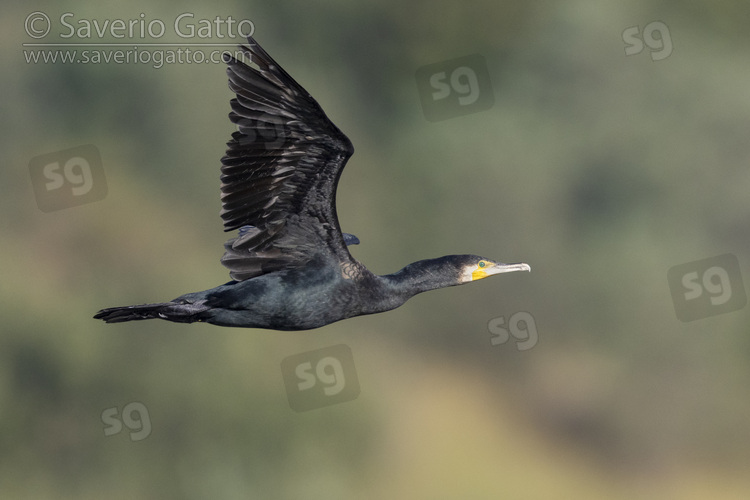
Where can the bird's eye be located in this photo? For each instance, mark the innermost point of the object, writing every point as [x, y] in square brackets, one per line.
[482, 263]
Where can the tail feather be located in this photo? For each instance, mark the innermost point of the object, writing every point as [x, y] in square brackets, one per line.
[171, 311]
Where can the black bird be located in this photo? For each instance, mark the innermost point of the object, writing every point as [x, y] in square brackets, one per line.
[289, 264]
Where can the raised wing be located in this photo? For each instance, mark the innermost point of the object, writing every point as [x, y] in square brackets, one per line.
[280, 171]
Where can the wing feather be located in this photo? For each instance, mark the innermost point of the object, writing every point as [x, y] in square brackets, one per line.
[280, 171]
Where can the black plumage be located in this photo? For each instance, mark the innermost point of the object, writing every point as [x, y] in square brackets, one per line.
[290, 265]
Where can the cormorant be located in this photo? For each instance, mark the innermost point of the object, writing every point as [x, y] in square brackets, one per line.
[289, 264]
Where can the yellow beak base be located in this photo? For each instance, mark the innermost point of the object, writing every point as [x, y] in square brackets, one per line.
[478, 274]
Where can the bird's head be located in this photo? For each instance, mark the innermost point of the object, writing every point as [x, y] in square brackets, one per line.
[446, 271]
[473, 268]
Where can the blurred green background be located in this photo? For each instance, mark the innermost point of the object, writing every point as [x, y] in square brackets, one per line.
[599, 169]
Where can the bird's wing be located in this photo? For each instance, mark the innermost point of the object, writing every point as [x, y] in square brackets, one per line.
[279, 175]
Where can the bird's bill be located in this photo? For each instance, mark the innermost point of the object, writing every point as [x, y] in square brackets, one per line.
[498, 268]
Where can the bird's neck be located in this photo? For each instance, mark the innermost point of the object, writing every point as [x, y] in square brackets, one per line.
[419, 277]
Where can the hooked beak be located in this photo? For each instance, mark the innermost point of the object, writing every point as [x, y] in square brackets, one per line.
[497, 268]
[508, 268]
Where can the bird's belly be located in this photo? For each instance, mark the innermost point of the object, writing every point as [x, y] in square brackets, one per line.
[263, 304]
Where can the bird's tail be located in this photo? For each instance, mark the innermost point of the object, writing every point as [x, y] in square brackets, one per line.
[171, 311]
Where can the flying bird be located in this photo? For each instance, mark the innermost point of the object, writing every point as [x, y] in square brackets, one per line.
[289, 263]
